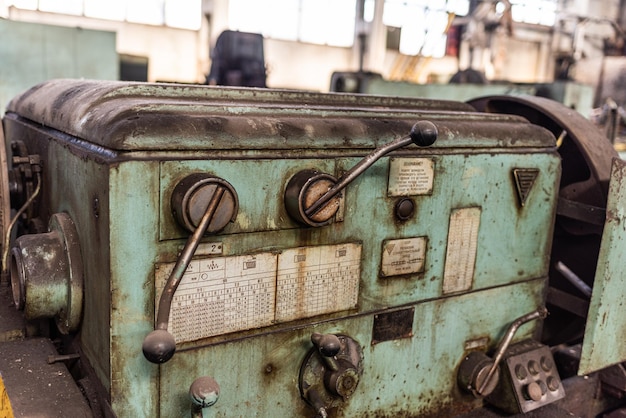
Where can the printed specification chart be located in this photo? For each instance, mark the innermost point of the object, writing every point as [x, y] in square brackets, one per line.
[317, 280]
[227, 294]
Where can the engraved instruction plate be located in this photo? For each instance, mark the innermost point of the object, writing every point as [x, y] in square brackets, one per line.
[411, 176]
[403, 256]
[227, 294]
[461, 251]
[317, 280]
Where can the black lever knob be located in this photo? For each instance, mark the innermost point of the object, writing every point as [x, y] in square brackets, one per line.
[328, 345]
[424, 133]
[159, 346]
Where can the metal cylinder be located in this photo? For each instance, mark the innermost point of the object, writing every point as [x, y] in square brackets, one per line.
[46, 274]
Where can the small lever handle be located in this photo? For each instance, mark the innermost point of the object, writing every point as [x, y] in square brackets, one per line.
[204, 392]
[305, 196]
[328, 345]
[159, 345]
[540, 313]
[423, 133]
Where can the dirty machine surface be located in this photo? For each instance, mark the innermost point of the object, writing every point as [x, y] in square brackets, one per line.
[189, 251]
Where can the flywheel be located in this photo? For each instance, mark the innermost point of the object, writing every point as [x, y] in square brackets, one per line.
[587, 156]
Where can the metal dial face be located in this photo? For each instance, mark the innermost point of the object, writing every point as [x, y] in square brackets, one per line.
[314, 190]
[192, 195]
[303, 190]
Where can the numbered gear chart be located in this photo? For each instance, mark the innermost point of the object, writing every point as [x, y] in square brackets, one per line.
[220, 295]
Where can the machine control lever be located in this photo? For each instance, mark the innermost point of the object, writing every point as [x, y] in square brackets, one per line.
[540, 313]
[330, 372]
[312, 198]
[159, 345]
[479, 373]
[204, 393]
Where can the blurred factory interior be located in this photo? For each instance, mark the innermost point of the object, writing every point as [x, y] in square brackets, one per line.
[573, 49]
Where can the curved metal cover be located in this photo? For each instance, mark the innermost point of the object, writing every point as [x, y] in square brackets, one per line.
[141, 116]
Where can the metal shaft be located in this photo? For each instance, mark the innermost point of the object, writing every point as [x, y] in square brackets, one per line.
[504, 343]
[184, 259]
[356, 171]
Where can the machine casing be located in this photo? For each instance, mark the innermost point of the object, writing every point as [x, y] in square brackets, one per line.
[477, 242]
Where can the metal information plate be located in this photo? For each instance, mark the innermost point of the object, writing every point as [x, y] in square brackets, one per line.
[227, 294]
[461, 251]
[411, 176]
[403, 256]
[317, 280]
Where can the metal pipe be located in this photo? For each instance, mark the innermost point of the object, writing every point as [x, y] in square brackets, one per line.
[573, 279]
[7, 233]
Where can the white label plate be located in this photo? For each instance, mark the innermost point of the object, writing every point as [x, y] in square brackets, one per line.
[458, 275]
[227, 294]
[317, 280]
[411, 176]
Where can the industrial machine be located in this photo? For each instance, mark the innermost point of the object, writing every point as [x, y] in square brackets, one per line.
[188, 251]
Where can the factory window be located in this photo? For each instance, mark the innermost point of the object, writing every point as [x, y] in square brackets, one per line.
[542, 12]
[324, 22]
[185, 14]
[423, 24]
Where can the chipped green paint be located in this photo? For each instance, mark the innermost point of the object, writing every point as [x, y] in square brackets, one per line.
[603, 344]
[129, 144]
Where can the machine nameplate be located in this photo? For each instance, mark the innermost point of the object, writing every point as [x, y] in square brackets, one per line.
[461, 251]
[411, 176]
[393, 325]
[227, 294]
[403, 256]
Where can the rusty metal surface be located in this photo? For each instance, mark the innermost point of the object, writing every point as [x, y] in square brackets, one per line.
[123, 213]
[126, 116]
[36, 388]
[605, 330]
[13, 325]
[586, 156]
[548, 411]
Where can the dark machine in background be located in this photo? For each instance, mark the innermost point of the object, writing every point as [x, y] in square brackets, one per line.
[179, 250]
[238, 59]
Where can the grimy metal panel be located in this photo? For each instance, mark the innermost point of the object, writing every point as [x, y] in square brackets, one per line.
[605, 332]
[433, 251]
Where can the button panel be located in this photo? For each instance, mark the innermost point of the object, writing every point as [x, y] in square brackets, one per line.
[534, 377]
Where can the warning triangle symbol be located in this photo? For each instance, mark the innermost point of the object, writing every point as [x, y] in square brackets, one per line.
[524, 181]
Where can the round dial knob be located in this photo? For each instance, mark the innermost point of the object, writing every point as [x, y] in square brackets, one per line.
[312, 198]
[304, 189]
[192, 195]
